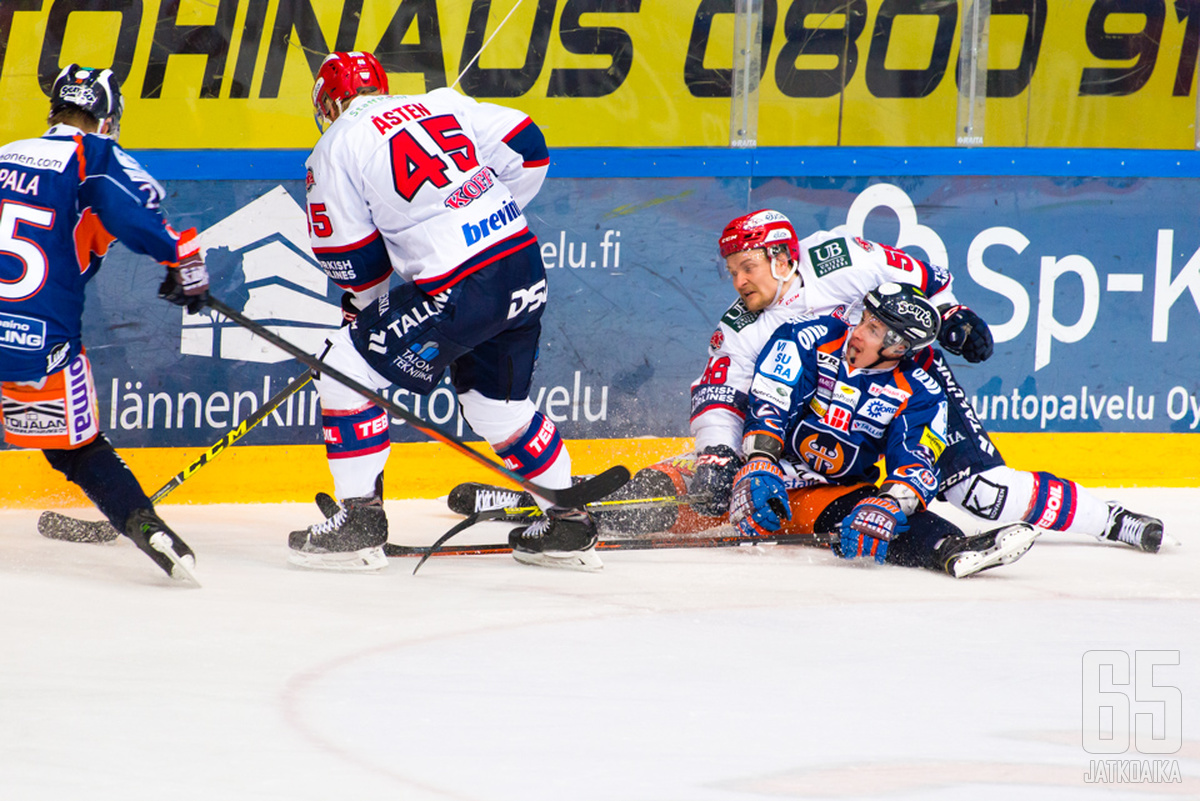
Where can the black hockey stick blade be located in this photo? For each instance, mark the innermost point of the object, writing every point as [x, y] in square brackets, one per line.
[630, 544]
[57, 526]
[463, 500]
[593, 489]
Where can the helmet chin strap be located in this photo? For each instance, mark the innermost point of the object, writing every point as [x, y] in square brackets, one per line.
[780, 280]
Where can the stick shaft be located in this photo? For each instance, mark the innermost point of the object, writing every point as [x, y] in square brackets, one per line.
[231, 436]
[446, 438]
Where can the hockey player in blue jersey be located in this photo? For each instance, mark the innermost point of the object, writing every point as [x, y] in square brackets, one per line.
[827, 401]
[64, 199]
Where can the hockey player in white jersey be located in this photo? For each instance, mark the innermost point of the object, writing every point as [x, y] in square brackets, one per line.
[779, 279]
[430, 187]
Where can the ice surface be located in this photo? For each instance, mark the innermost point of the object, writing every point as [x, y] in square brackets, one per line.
[707, 675]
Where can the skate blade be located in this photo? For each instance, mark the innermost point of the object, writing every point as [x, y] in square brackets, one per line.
[182, 567]
[1012, 543]
[360, 561]
[586, 561]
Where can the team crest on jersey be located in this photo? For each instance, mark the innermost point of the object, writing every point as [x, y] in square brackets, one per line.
[829, 256]
[309, 180]
[738, 316]
[864, 244]
[919, 475]
[823, 453]
[716, 340]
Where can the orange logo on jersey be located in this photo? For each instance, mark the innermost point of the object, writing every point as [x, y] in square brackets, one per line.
[823, 454]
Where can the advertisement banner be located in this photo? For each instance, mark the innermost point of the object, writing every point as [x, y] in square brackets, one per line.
[627, 73]
[1091, 286]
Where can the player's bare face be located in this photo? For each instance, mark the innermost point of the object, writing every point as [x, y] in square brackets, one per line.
[752, 278]
[866, 348]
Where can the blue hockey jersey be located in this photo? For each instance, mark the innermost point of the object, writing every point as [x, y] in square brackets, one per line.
[835, 425]
[64, 199]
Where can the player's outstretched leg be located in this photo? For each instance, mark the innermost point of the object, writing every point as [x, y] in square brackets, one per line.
[561, 538]
[160, 543]
[351, 538]
[967, 555]
[1140, 531]
[105, 478]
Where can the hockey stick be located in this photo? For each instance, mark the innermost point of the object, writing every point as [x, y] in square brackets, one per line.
[632, 544]
[485, 44]
[575, 496]
[58, 526]
[329, 507]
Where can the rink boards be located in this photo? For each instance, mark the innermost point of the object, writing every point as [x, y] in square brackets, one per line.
[268, 474]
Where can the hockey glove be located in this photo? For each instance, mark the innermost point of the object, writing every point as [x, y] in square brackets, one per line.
[964, 333]
[760, 499]
[186, 283]
[869, 527]
[716, 467]
[349, 310]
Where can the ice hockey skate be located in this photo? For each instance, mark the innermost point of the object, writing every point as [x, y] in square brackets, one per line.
[1141, 531]
[563, 538]
[469, 498]
[351, 539]
[151, 535]
[1000, 546]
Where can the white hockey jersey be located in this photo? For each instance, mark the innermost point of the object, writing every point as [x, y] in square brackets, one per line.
[431, 186]
[836, 270]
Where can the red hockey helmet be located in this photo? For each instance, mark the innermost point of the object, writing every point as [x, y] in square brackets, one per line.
[761, 229]
[341, 77]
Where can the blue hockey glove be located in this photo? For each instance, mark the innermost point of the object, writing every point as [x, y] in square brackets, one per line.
[716, 467]
[964, 333]
[760, 499]
[870, 526]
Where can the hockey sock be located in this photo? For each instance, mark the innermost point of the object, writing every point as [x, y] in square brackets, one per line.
[357, 446]
[539, 454]
[104, 477]
[1052, 502]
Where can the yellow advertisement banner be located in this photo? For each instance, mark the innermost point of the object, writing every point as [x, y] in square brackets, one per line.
[200, 74]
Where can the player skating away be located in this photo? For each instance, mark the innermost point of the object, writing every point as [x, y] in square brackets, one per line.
[430, 187]
[827, 401]
[64, 199]
[780, 278]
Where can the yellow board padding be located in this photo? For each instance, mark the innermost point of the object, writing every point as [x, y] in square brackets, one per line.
[279, 473]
